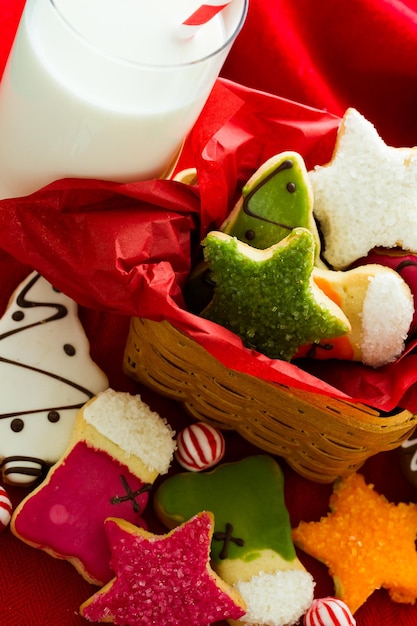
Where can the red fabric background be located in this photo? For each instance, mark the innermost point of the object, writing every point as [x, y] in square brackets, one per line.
[328, 54]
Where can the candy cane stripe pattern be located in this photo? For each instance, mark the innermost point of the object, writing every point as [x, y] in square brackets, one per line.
[328, 612]
[205, 13]
[201, 16]
[5, 509]
[199, 446]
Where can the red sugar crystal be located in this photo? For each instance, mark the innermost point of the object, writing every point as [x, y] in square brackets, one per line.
[162, 579]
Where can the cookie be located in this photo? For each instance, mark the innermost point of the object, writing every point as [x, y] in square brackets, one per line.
[46, 375]
[117, 450]
[268, 297]
[404, 264]
[163, 579]
[378, 303]
[366, 542]
[366, 196]
[252, 548]
[274, 201]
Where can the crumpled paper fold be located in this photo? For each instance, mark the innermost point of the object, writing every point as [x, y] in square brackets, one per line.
[129, 247]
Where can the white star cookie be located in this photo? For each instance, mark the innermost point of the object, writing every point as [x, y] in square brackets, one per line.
[366, 196]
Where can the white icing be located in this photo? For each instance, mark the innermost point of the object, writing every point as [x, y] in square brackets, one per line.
[38, 376]
[277, 599]
[384, 335]
[367, 196]
[131, 424]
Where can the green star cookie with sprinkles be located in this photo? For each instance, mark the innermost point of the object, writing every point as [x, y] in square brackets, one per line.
[163, 579]
[277, 198]
[268, 297]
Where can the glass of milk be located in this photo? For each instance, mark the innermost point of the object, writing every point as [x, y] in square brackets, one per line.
[105, 89]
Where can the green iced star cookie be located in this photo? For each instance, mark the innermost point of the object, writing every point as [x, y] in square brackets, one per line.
[268, 297]
[277, 198]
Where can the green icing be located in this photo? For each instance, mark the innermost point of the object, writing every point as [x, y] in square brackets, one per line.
[273, 203]
[247, 494]
[268, 301]
[276, 199]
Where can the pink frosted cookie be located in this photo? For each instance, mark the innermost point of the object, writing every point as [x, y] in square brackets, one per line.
[5, 509]
[46, 376]
[163, 579]
[252, 548]
[329, 612]
[199, 446]
[119, 447]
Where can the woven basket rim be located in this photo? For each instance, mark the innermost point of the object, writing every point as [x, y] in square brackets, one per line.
[321, 437]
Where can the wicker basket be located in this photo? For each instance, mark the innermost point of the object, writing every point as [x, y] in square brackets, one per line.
[320, 437]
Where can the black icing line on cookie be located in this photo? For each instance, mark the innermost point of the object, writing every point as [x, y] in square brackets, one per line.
[227, 538]
[61, 312]
[285, 165]
[23, 469]
[86, 392]
[131, 495]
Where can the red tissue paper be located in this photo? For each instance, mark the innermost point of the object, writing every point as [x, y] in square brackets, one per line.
[129, 247]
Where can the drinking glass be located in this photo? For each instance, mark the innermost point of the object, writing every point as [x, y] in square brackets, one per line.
[105, 89]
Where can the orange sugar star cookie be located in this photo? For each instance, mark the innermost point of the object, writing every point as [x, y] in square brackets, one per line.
[366, 542]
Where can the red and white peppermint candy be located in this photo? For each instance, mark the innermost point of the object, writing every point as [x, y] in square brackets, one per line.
[5, 509]
[199, 446]
[328, 612]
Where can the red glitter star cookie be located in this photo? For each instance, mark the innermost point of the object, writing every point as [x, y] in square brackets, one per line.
[163, 579]
[366, 542]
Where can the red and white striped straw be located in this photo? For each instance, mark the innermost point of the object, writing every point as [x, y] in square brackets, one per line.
[201, 16]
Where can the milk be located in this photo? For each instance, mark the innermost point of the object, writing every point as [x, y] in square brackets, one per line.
[104, 89]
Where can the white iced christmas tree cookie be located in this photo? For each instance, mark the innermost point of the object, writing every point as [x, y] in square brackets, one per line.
[46, 375]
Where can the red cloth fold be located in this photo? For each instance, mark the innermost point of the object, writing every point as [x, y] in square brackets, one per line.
[334, 54]
[327, 55]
